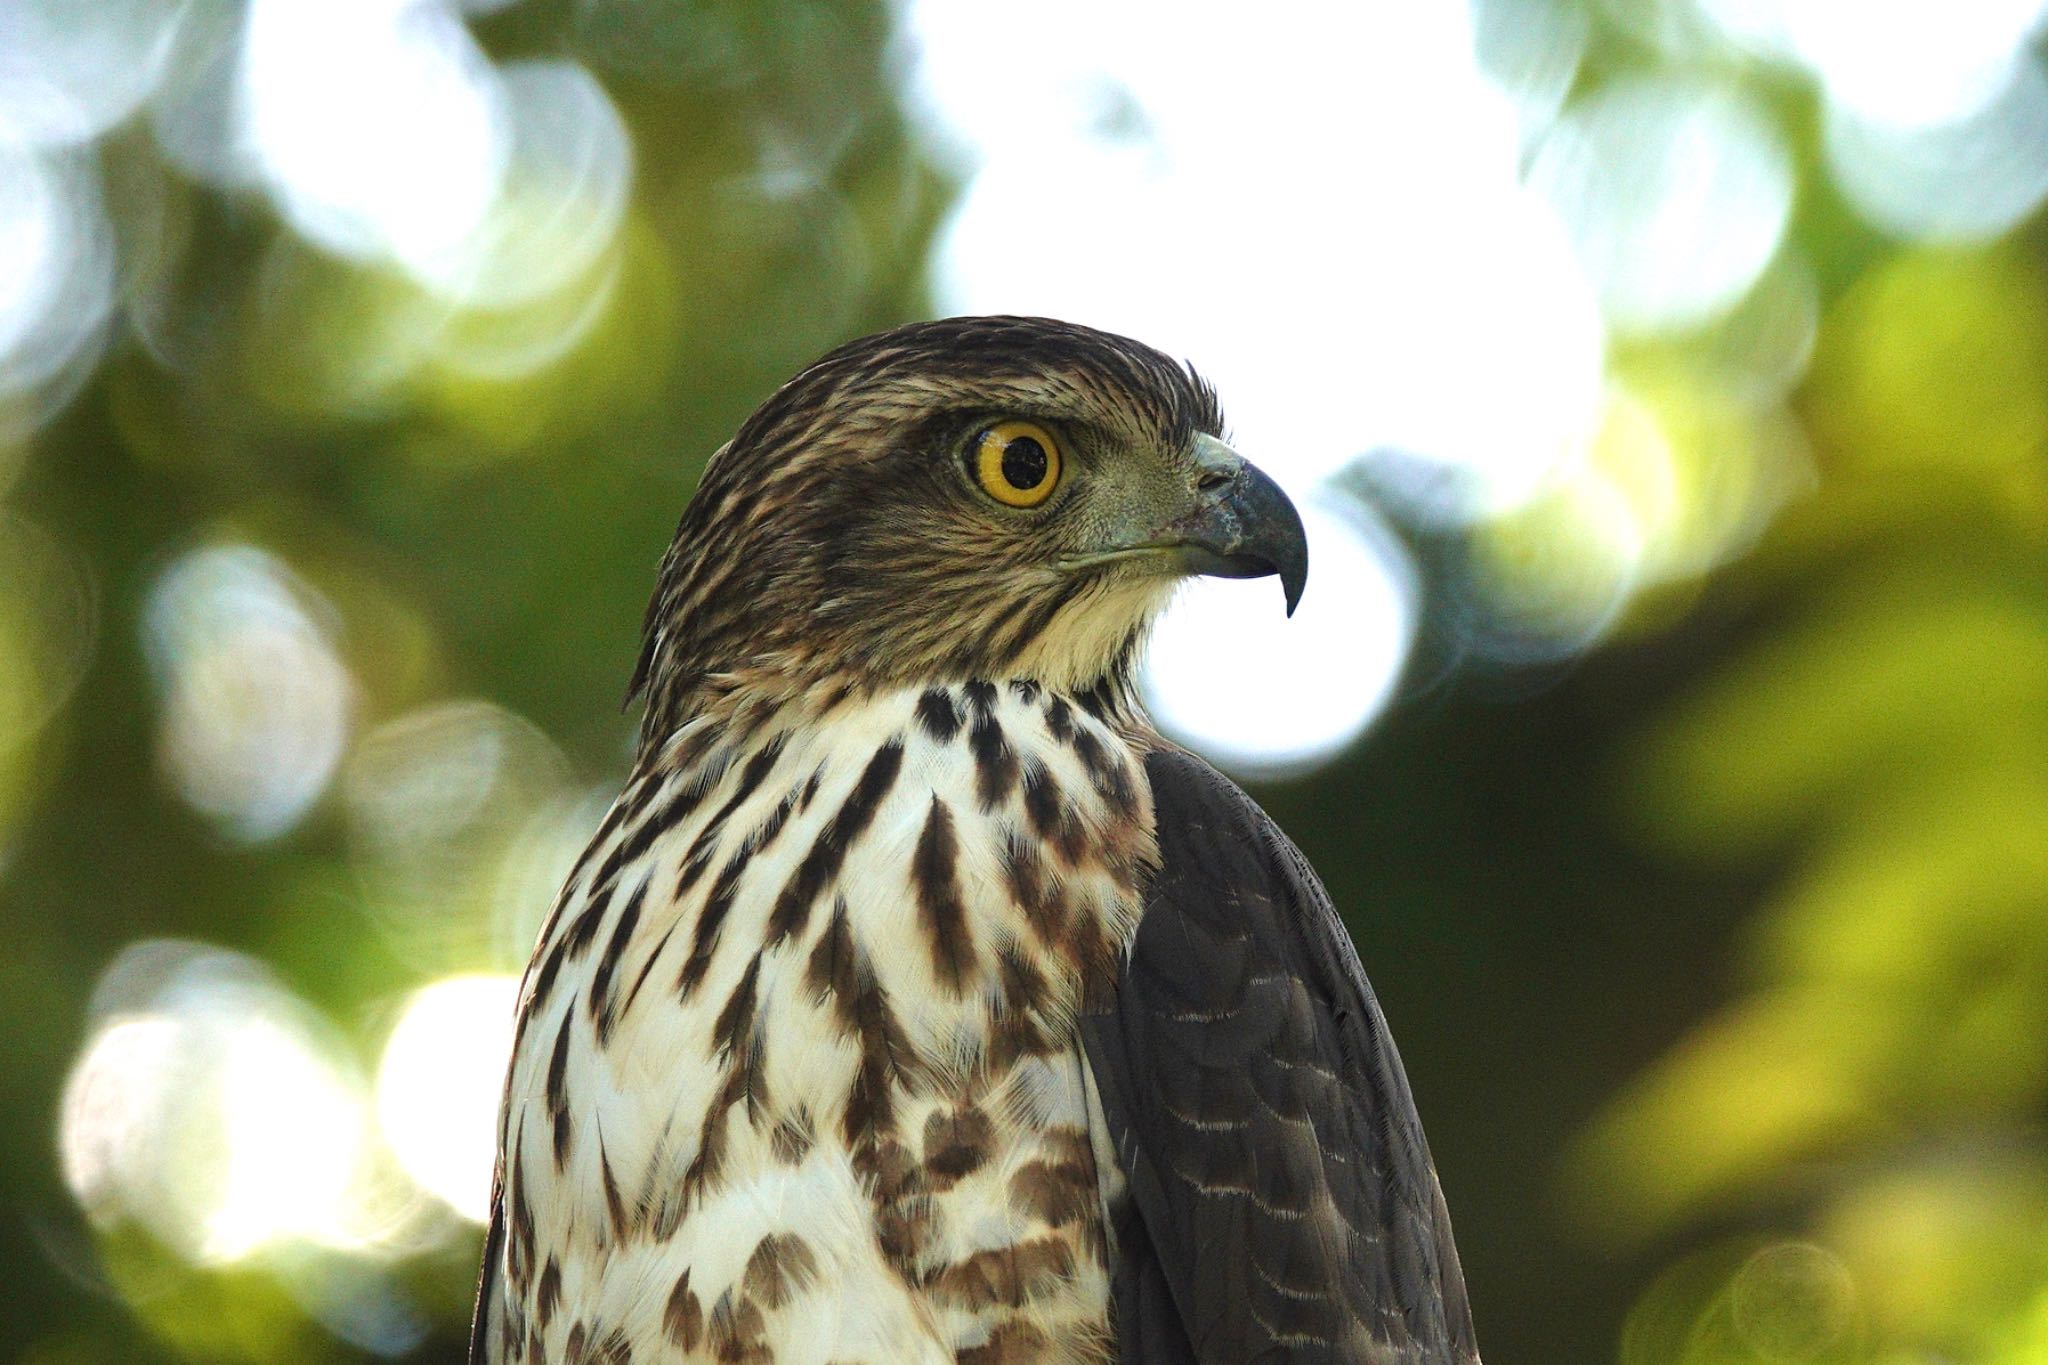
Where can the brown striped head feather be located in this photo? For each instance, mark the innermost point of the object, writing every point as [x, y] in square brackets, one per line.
[842, 536]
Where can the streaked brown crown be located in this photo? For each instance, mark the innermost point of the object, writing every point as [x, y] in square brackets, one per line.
[839, 535]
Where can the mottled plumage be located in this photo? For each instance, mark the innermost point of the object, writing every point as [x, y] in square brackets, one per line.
[916, 1001]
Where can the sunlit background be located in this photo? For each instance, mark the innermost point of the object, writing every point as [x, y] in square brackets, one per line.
[1665, 387]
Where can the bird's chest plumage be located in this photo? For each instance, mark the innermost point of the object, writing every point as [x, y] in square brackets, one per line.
[797, 1075]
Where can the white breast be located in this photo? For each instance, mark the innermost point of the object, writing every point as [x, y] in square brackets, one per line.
[796, 1067]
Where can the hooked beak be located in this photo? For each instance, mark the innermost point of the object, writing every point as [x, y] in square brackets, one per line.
[1242, 525]
[1232, 522]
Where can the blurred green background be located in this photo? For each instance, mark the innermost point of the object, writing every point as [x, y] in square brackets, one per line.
[1669, 718]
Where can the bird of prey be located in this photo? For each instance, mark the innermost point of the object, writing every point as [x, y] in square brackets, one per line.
[917, 1001]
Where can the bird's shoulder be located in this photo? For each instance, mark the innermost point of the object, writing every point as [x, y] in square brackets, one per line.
[1283, 1196]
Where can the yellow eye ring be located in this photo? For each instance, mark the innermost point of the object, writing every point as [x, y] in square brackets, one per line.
[1017, 463]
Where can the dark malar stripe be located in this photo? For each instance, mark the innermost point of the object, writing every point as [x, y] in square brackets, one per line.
[992, 632]
[822, 863]
[934, 875]
[1095, 698]
[1126, 654]
[1037, 622]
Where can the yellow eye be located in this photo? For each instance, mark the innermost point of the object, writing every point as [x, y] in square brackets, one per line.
[1017, 463]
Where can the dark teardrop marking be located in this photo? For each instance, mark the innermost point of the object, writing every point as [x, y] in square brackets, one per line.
[934, 876]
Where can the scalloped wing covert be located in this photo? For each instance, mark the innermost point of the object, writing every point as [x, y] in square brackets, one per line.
[1283, 1203]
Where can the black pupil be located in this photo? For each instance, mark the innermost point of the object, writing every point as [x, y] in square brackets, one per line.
[1024, 463]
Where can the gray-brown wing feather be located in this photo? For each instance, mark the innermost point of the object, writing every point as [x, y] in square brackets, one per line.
[1284, 1207]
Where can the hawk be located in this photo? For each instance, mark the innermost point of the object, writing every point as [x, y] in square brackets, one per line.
[917, 1001]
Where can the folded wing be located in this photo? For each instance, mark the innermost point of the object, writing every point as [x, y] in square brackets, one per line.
[1283, 1203]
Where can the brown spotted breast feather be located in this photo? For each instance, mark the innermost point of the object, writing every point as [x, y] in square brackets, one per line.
[798, 1076]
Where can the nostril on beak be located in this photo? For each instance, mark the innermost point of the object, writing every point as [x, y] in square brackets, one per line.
[1211, 480]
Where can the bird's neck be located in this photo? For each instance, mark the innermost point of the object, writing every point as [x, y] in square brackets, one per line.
[691, 673]
[733, 710]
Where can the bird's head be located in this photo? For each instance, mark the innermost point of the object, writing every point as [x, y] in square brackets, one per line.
[971, 498]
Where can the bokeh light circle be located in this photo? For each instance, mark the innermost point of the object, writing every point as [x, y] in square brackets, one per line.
[445, 807]
[1792, 1301]
[1911, 65]
[380, 125]
[1965, 181]
[72, 69]
[208, 1106]
[56, 279]
[256, 701]
[563, 196]
[439, 1085]
[1676, 198]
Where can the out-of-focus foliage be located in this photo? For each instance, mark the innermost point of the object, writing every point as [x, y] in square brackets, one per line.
[357, 356]
[1879, 1083]
[1858, 1133]
[395, 336]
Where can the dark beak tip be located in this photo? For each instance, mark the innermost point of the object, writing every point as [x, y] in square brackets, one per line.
[1293, 585]
[1251, 529]
[1282, 541]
